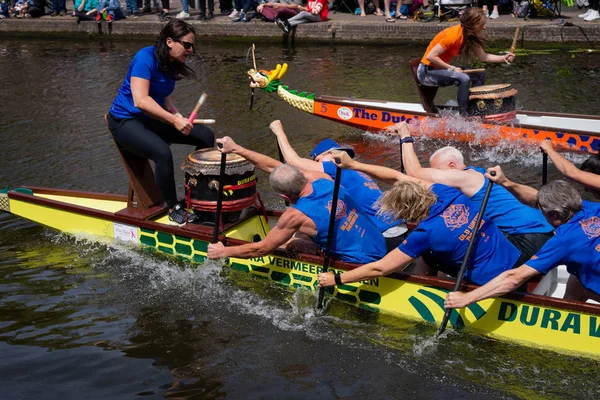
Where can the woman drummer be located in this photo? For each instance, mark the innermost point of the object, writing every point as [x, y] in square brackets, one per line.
[465, 39]
[143, 118]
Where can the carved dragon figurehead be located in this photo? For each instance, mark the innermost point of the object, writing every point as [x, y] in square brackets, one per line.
[267, 80]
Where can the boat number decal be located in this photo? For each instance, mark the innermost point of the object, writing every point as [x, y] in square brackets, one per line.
[344, 113]
[323, 108]
[126, 233]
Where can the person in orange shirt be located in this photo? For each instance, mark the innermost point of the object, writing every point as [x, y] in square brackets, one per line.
[466, 39]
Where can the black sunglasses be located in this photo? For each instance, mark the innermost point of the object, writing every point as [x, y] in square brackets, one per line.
[186, 45]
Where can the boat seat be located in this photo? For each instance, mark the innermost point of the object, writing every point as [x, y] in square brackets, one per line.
[143, 197]
[427, 93]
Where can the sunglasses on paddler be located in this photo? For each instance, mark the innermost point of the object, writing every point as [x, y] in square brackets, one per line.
[186, 45]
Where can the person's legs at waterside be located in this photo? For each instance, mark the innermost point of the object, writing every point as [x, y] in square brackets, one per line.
[237, 9]
[59, 6]
[150, 138]
[303, 17]
[593, 13]
[487, 4]
[429, 76]
[226, 7]
[164, 14]
[185, 10]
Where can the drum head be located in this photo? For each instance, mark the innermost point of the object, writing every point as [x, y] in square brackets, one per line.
[208, 162]
[489, 88]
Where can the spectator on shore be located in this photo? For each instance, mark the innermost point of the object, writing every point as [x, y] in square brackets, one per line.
[207, 16]
[277, 9]
[4, 9]
[245, 15]
[148, 9]
[21, 8]
[486, 4]
[315, 11]
[59, 7]
[109, 10]
[361, 5]
[37, 8]
[86, 10]
[592, 13]
[185, 10]
[131, 8]
[226, 7]
[164, 14]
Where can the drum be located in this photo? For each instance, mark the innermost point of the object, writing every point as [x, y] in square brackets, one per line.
[494, 102]
[202, 168]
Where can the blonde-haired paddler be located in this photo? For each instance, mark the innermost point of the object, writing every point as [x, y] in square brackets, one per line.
[445, 219]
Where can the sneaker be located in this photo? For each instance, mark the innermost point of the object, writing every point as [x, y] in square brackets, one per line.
[27, 15]
[109, 18]
[62, 13]
[182, 15]
[147, 10]
[594, 15]
[234, 14]
[585, 14]
[487, 14]
[135, 16]
[98, 17]
[164, 16]
[281, 24]
[494, 15]
[240, 17]
[226, 12]
[53, 14]
[178, 215]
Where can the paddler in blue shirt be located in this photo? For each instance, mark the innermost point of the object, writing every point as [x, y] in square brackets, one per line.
[524, 226]
[356, 239]
[576, 243]
[445, 219]
[363, 189]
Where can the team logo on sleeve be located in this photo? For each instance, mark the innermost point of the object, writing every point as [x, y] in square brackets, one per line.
[591, 227]
[455, 216]
[341, 209]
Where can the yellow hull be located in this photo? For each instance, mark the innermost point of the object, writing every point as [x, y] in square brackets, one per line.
[567, 327]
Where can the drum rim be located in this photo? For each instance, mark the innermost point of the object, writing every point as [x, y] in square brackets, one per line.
[489, 88]
[231, 158]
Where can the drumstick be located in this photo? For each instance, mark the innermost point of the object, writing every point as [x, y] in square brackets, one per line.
[474, 71]
[204, 121]
[197, 108]
[514, 43]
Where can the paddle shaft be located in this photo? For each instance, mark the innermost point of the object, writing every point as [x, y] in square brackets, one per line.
[463, 267]
[544, 168]
[204, 121]
[215, 237]
[474, 71]
[331, 230]
[287, 203]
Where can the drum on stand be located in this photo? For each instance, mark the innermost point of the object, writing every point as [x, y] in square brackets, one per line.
[202, 169]
[493, 102]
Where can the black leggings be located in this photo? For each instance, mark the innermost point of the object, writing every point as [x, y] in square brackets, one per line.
[150, 138]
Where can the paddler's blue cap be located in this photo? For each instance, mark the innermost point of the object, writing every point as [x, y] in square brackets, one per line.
[327, 145]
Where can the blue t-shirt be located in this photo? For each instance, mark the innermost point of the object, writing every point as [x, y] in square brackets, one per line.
[356, 239]
[364, 191]
[508, 213]
[576, 244]
[446, 232]
[145, 66]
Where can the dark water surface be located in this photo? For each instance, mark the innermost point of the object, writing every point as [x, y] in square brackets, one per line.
[79, 320]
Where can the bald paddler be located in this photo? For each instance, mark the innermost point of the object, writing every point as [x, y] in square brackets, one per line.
[576, 244]
[466, 39]
[356, 239]
[524, 226]
[445, 219]
[363, 189]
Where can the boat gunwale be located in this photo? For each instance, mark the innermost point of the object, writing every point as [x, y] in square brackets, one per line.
[341, 102]
[205, 234]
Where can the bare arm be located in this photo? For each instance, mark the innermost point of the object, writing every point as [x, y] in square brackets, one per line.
[289, 154]
[385, 174]
[486, 57]
[288, 224]
[525, 194]
[502, 284]
[568, 169]
[434, 57]
[393, 261]
[140, 91]
[261, 161]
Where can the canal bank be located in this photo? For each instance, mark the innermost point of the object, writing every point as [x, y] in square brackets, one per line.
[340, 28]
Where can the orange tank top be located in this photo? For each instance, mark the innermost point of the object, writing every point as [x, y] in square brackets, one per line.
[451, 39]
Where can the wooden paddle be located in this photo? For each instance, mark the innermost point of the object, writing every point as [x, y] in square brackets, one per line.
[463, 267]
[544, 168]
[331, 230]
[215, 237]
[197, 108]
